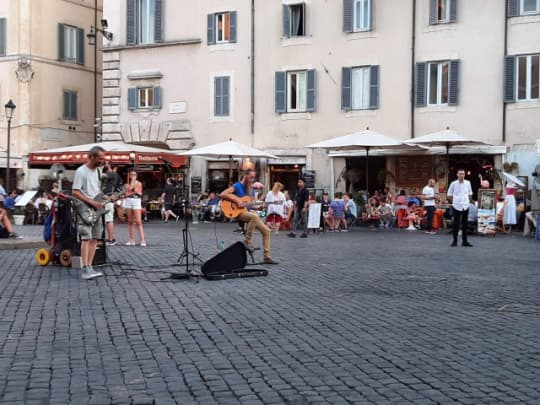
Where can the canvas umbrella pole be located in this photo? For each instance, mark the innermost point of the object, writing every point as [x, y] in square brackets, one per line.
[367, 170]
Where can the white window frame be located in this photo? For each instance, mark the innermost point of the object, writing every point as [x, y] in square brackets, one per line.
[440, 66]
[302, 7]
[146, 21]
[522, 7]
[528, 77]
[217, 30]
[299, 97]
[365, 104]
[446, 18]
[144, 96]
[357, 18]
[71, 43]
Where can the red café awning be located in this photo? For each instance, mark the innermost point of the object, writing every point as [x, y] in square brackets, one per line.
[116, 152]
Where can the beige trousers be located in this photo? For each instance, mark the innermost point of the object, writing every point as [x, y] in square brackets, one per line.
[253, 221]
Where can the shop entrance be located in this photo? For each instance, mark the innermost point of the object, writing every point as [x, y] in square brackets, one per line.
[288, 175]
[474, 166]
[355, 173]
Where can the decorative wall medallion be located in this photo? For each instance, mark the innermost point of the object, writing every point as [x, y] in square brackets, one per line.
[24, 70]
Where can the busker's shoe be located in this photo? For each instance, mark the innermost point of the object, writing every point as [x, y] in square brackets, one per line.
[269, 260]
[454, 244]
[466, 244]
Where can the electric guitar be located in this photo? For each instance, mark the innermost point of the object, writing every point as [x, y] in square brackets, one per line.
[90, 215]
[231, 210]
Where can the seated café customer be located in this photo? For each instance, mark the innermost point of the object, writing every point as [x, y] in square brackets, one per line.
[413, 198]
[336, 213]
[412, 217]
[6, 229]
[401, 200]
[44, 199]
[325, 208]
[387, 218]
[373, 213]
[472, 218]
[10, 200]
[351, 211]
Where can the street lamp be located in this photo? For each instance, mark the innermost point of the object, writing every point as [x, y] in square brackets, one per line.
[10, 107]
[92, 41]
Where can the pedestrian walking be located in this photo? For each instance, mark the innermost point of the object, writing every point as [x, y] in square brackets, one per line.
[300, 210]
[133, 206]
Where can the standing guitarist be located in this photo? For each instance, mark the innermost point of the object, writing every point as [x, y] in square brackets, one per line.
[234, 194]
[86, 186]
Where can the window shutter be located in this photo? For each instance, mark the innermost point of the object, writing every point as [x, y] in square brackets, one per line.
[512, 8]
[73, 106]
[66, 105]
[304, 19]
[348, 15]
[346, 83]
[80, 46]
[61, 53]
[311, 93]
[287, 21]
[232, 33]
[131, 22]
[371, 15]
[158, 21]
[453, 11]
[509, 79]
[374, 87]
[225, 88]
[421, 79]
[454, 83]
[3, 36]
[217, 98]
[432, 12]
[157, 97]
[281, 92]
[211, 29]
[132, 98]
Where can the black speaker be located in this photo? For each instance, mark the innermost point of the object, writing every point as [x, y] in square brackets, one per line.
[226, 262]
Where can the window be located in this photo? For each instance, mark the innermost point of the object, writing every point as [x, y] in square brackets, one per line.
[442, 11]
[143, 21]
[528, 78]
[222, 27]
[70, 106]
[295, 91]
[221, 96]
[437, 83]
[360, 88]
[143, 98]
[362, 15]
[529, 7]
[294, 21]
[70, 44]
[3, 38]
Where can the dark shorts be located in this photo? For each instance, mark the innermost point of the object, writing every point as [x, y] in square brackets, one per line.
[169, 207]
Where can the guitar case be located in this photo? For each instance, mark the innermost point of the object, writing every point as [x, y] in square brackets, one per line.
[231, 263]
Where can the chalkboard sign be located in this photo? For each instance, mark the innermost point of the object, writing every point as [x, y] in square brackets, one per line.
[309, 178]
[196, 183]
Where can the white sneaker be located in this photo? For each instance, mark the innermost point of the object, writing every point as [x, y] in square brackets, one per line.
[130, 243]
[143, 244]
[411, 228]
[89, 274]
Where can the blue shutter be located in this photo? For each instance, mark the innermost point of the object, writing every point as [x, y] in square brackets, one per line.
[348, 15]
[132, 98]
[3, 36]
[453, 11]
[421, 79]
[233, 25]
[225, 99]
[281, 92]
[509, 79]
[512, 8]
[157, 97]
[131, 22]
[211, 29]
[346, 84]
[286, 21]
[73, 106]
[61, 52]
[433, 4]
[80, 46]
[311, 91]
[158, 22]
[454, 83]
[374, 87]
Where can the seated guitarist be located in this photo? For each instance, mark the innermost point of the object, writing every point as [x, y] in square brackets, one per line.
[86, 186]
[234, 194]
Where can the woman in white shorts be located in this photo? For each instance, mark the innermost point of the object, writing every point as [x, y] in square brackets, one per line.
[132, 204]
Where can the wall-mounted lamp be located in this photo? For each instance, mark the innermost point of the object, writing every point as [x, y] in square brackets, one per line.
[92, 34]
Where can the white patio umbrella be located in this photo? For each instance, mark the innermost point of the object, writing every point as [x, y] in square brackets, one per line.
[229, 150]
[445, 138]
[513, 179]
[364, 140]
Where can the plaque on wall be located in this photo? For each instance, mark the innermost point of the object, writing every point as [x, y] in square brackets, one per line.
[309, 178]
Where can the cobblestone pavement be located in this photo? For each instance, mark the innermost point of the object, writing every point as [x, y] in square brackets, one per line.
[363, 317]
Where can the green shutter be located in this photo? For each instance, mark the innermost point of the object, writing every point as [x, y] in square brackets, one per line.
[281, 92]
[225, 98]
[132, 98]
[80, 46]
[211, 29]
[421, 79]
[3, 36]
[348, 15]
[157, 97]
[158, 21]
[454, 83]
[311, 91]
[66, 105]
[61, 42]
[286, 21]
[433, 12]
[453, 11]
[374, 87]
[73, 106]
[346, 83]
[131, 21]
[512, 8]
[509, 79]
[233, 26]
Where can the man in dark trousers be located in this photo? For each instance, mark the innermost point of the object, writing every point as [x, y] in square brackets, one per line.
[113, 184]
[300, 210]
[460, 194]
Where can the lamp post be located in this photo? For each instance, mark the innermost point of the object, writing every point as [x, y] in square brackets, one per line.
[10, 107]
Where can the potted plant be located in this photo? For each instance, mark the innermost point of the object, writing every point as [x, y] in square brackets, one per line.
[18, 215]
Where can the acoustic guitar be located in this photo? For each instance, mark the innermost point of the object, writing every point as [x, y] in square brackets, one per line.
[231, 210]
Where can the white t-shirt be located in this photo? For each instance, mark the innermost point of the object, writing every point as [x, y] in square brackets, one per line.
[460, 193]
[87, 181]
[429, 194]
[275, 208]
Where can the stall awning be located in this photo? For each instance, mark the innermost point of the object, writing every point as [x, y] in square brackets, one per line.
[116, 152]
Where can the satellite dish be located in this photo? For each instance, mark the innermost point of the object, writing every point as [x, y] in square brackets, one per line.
[57, 169]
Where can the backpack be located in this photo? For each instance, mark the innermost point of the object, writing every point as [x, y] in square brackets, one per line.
[47, 228]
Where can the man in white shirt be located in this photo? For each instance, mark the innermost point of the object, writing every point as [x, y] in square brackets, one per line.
[428, 193]
[459, 194]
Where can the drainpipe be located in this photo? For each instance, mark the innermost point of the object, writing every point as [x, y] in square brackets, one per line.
[505, 54]
[413, 57]
[252, 111]
[95, 69]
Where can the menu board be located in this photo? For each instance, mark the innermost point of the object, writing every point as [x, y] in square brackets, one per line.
[413, 170]
[196, 182]
[309, 178]
[487, 217]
